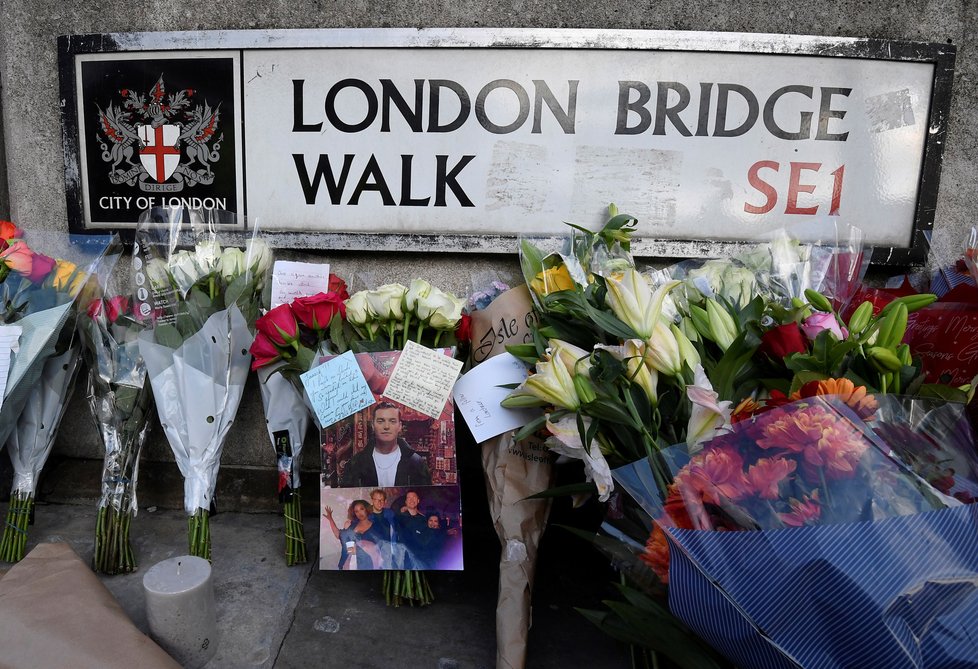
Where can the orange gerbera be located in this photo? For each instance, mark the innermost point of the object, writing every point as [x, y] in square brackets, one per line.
[854, 396]
[746, 409]
[656, 553]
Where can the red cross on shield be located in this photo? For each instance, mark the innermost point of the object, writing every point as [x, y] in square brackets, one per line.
[159, 154]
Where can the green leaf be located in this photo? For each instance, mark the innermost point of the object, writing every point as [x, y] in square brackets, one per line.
[943, 392]
[238, 289]
[803, 377]
[525, 352]
[169, 336]
[530, 428]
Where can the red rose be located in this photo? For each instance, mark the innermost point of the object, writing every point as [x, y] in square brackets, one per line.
[464, 330]
[41, 267]
[117, 306]
[279, 325]
[783, 340]
[264, 352]
[338, 286]
[316, 311]
[95, 309]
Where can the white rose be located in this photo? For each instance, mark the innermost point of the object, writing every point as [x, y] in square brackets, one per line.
[386, 301]
[419, 289]
[357, 309]
[156, 274]
[440, 310]
[259, 255]
[232, 263]
[208, 255]
[184, 270]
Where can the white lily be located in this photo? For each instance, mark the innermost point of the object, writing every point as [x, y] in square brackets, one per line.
[566, 440]
[634, 353]
[663, 350]
[552, 384]
[709, 416]
[633, 301]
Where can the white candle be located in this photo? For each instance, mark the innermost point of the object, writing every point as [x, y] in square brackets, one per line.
[180, 609]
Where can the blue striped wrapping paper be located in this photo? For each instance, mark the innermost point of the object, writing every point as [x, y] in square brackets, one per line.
[890, 594]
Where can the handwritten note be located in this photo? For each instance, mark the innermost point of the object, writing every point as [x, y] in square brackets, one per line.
[477, 395]
[337, 389]
[508, 320]
[9, 345]
[423, 379]
[297, 279]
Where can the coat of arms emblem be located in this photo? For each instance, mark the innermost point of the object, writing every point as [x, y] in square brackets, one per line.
[161, 141]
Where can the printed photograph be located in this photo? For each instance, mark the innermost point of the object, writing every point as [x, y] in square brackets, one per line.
[388, 444]
[399, 527]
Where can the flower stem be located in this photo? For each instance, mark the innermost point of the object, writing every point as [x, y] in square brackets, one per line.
[113, 551]
[200, 534]
[14, 542]
[295, 536]
[407, 587]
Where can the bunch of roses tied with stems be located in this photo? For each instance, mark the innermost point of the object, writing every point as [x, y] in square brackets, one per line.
[121, 399]
[290, 340]
[39, 294]
[205, 299]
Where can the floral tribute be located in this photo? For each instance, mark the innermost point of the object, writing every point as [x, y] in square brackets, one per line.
[291, 339]
[38, 295]
[203, 306]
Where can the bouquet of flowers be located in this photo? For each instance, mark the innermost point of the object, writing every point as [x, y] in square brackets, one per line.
[387, 318]
[121, 400]
[203, 303]
[652, 367]
[38, 295]
[618, 379]
[291, 339]
[811, 500]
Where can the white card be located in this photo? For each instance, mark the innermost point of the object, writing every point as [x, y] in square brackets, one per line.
[423, 379]
[298, 279]
[478, 395]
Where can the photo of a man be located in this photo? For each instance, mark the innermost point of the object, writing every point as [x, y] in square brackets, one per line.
[388, 460]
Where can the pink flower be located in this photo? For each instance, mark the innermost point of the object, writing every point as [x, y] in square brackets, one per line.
[793, 432]
[821, 321]
[804, 512]
[18, 257]
[41, 267]
[264, 352]
[718, 473]
[766, 475]
[279, 325]
[837, 452]
[316, 311]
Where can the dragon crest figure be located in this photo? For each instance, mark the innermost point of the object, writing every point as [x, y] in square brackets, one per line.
[161, 140]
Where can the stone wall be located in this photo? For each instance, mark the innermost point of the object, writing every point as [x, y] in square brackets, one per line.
[30, 108]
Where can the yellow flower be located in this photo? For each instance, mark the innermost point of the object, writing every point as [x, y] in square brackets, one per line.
[67, 276]
[552, 280]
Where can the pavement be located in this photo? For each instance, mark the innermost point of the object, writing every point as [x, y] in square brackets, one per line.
[271, 615]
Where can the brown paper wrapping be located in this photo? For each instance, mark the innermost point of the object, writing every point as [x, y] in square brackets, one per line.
[55, 613]
[514, 471]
